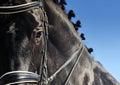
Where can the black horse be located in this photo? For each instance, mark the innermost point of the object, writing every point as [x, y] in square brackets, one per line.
[20, 37]
[23, 35]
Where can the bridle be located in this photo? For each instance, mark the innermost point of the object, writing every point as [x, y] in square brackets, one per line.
[15, 77]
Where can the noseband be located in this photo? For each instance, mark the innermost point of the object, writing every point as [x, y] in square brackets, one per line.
[16, 77]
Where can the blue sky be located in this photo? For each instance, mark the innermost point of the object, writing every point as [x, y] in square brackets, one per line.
[101, 25]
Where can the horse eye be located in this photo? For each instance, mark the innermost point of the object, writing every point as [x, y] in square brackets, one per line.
[38, 34]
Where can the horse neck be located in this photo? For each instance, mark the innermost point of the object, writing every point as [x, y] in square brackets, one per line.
[63, 41]
[62, 33]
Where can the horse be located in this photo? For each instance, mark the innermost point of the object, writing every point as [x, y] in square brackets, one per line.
[22, 43]
[39, 46]
[21, 31]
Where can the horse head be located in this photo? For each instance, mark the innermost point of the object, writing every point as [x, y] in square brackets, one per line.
[20, 38]
[23, 41]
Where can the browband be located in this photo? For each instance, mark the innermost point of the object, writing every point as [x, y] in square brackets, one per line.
[20, 8]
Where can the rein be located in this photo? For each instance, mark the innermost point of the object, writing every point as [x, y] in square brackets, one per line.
[78, 54]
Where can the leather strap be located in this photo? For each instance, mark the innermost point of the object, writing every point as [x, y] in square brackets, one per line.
[20, 8]
[16, 77]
